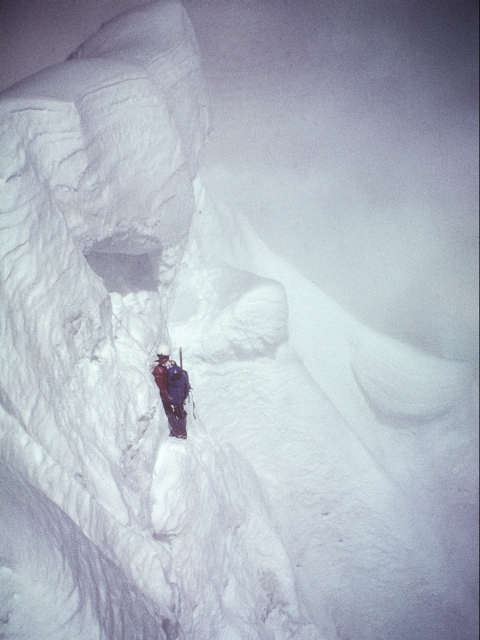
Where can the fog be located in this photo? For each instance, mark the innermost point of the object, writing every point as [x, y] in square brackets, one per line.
[328, 487]
[347, 132]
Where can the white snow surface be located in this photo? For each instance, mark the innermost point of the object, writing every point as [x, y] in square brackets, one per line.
[328, 485]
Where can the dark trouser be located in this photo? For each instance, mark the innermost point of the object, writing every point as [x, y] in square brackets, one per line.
[177, 419]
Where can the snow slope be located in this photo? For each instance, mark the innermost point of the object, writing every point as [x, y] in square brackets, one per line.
[327, 487]
[366, 447]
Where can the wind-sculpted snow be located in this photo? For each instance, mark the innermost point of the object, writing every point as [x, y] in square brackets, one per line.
[98, 137]
[206, 497]
[91, 160]
[327, 485]
[114, 134]
[237, 314]
[97, 198]
[54, 583]
[366, 447]
[398, 381]
[164, 45]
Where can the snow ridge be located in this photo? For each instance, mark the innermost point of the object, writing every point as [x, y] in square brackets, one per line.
[206, 496]
[96, 202]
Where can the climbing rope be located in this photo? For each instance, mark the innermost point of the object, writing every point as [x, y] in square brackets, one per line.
[121, 323]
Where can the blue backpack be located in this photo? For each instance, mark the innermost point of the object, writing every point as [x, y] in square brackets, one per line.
[178, 384]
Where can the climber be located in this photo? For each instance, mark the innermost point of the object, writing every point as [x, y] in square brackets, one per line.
[174, 387]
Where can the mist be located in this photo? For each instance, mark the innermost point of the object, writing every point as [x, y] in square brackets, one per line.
[291, 243]
[346, 132]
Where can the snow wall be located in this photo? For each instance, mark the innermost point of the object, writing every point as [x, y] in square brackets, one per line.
[327, 488]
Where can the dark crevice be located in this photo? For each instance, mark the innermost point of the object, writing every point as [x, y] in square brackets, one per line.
[123, 273]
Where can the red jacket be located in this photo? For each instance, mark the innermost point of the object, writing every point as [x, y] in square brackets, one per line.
[160, 374]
